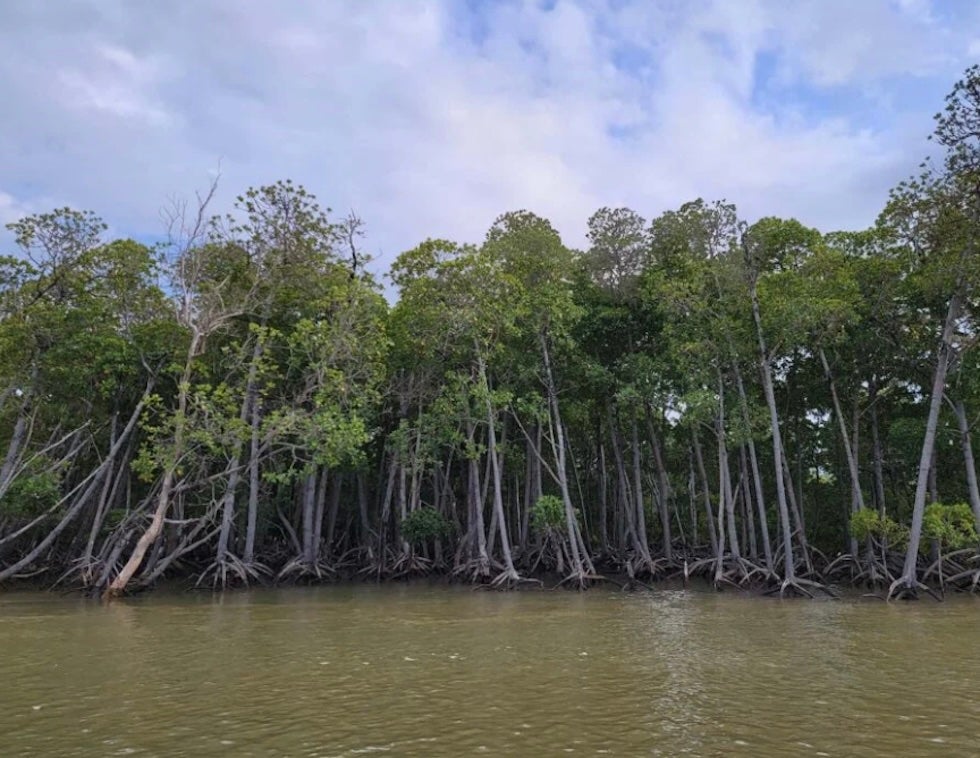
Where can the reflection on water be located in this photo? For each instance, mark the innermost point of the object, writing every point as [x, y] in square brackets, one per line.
[437, 671]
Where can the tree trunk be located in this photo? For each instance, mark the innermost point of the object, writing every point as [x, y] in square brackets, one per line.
[877, 457]
[152, 532]
[908, 579]
[253, 485]
[789, 570]
[558, 448]
[498, 494]
[85, 495]
[857, 497]
[477, 529]
[706, 489]
[308, 495]
[664, 487]
[641, 521]
[968, 460]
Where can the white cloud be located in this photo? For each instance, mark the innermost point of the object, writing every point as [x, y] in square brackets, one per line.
[11, 209]
[430, 121]
[114, 81]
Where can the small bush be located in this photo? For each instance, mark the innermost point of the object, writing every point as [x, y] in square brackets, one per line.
[29, 495]
[952, 525]
[867, 522]
[424, 524]
[548, 513]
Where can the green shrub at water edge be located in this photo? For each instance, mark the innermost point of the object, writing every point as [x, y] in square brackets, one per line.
[952, 525]
[867, 522]
[548, 513]
[424, 524]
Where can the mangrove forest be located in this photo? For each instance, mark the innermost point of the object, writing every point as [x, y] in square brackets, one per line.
[763, 405]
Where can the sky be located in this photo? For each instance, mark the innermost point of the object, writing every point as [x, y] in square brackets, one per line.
[430, 118]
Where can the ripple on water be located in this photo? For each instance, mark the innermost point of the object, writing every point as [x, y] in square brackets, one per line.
[350, 671]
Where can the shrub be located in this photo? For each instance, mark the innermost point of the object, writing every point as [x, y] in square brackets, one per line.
[424, 524]
[548, 513]
[952, 525]
[30, 494]
[867, 522]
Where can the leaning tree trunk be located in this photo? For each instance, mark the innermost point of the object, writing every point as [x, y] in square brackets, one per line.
[579, 561]
[789, 570]
[877, 462]
[626, 510]
[152, 532]
[968, 460]
[510, 573]
[664, 486]
[251, 520]
[857, 497]
[706, 490]
[641, 521]
[908, 581]
[86, 494]
[760, 500]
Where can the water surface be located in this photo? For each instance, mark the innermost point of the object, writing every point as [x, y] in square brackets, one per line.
[443, 671]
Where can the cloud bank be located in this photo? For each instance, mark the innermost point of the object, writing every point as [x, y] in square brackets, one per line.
[430, 117]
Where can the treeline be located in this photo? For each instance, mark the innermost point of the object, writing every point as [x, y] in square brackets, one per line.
[764, 405]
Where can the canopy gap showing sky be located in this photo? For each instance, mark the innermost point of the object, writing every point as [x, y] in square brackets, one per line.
[430, 117]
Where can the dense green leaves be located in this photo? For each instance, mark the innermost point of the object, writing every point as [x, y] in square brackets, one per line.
[728, 391]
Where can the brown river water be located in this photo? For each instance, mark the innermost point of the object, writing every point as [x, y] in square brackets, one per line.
[446, 671]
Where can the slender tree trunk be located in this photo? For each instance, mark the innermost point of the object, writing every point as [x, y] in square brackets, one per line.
[228, 509]
[641, 522]
[857, 497]
[877, 457]
[748, 519]
[152, 532]
[558, 448]
[789, 570]
[13, 450]
[104, 497]
[86, 493]
[706, 489]
[664, 486]
[968, 460]
[603, 499]
[724, 473]
[477, 529]
[362, 507]
[333, 511]
[908, 579]
[308, 495]
[498, 494]
[626, 502]
[251, 521]
[692, 487]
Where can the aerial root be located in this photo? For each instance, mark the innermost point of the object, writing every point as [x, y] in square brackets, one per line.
[582, 579]
[410, 564]
[847, 559]
[973, 574]
[906, 588]
[299, 568]
[510, 579]
[225, 573]
[802, 588]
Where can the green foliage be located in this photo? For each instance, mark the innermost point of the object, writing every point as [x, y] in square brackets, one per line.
[548, 513]
[868, 522]
[424, 524]
[952, 525]
[31, 494]
[270, 339]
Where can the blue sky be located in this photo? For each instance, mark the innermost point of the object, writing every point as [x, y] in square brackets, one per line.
[430, 117]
